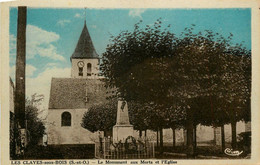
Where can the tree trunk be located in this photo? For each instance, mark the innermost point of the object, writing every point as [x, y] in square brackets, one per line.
[145, 133]
[223, 138]
[173, 137]
[190, 147]
[161, 140]
[215, 137]
[140, 133]
[157, 139]
[184, 137]
[195, 137]
[234, 134]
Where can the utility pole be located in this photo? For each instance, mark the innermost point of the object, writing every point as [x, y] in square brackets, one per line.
[19, 106]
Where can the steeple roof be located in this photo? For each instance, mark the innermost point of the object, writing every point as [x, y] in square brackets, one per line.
[85, 48]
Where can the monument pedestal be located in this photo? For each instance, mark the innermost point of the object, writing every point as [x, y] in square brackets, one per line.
[123, 128]
[121, 132]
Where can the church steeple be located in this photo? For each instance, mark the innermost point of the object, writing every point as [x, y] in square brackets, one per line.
[85, 48]
[84, 60]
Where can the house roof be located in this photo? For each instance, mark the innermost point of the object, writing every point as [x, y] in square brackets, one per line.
[85, 48]
[70, 93]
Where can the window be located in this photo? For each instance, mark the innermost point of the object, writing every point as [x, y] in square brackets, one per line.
[89, 69]
[80, 71]
[66, 119]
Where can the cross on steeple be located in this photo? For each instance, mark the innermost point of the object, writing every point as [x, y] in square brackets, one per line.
[85, 16]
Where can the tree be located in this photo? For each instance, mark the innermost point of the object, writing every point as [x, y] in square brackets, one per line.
[215, 75]
[237, 82]
[100, 117]
[194, 71]
[136, 64]
[35, 125]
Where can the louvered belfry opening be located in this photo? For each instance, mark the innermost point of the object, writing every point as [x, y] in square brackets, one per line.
[89, 69]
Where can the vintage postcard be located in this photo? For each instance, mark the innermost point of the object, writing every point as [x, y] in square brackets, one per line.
[130, 82]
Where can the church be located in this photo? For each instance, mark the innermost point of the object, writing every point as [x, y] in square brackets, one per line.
[71, 97]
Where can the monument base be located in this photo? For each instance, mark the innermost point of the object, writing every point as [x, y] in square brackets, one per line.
[121, 132]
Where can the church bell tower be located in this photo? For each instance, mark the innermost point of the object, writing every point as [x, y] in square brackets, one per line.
[84, 60]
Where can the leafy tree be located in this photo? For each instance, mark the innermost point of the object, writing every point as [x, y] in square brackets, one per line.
[100, 117]
[194, 70]
[35, 125]
[214, 75]
[237, 87]
[136, 64]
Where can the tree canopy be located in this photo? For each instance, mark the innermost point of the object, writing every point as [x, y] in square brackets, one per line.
[153, 65]
[100, 117]
[194, 78]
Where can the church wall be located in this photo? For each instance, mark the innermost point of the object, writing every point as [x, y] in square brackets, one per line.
[75, 68]
[73, 134]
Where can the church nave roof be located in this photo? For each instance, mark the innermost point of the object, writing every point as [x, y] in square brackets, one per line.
[71, 93]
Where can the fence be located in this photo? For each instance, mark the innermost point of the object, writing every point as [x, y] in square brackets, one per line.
[129, 149]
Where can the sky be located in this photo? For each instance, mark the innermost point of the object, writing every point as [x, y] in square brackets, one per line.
[52, 34]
